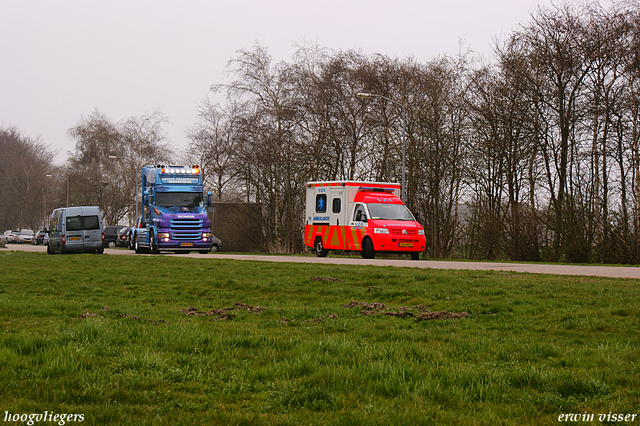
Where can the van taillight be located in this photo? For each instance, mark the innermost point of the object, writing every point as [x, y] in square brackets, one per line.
[62, 238]
[103, 237]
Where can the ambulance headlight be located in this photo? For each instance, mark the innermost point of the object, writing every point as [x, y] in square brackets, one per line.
[420, 231]
[380, 231]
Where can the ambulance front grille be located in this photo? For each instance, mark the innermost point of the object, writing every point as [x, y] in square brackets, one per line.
[398, 231]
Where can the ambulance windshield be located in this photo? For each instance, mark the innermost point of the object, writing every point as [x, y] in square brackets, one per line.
[381, 211]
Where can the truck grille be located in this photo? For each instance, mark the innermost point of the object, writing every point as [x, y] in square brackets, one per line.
[186, 229]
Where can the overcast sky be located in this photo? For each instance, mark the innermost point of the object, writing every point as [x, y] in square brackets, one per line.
[62, 59]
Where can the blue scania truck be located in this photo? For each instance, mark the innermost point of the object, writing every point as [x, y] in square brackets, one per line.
[174, 214]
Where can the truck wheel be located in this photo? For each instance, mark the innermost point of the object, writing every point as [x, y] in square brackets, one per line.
[136, 247]
[367, 249]
[415, 256]
[152, 245]
[320, 250]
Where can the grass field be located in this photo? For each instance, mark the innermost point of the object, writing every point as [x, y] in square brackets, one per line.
[140, 340]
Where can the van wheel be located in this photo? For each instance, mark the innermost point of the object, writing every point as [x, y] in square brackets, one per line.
[49, 251]
[367, 249]
[61, 249]
[100, 251]
[320, 250]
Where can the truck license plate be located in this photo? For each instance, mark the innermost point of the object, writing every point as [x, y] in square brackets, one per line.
[186, 244]
[405, 244]
[75, 238]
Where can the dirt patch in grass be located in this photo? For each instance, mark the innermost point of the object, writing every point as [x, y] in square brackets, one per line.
[222, 314]
[419, 312]
[330, 279]
[87, 314]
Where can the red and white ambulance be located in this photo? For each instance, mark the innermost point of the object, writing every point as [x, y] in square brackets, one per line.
[368, 217]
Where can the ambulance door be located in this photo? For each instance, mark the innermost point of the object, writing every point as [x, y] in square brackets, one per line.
[336, 209]
[337, 212]
[357, 225]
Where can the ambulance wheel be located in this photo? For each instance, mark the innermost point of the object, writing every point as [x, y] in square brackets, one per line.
[320, 250]
[367, 249]
[415, 256]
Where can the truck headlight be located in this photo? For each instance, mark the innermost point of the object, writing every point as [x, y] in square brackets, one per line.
[380, 231]
[420, 231]
[163, 235]
[206, 236]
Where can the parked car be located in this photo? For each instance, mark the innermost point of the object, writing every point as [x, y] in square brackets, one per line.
[123, 237]
[10, 236]
[5, 237]
[111, 236]
[39, 238]
[216, 244]
[25, 236]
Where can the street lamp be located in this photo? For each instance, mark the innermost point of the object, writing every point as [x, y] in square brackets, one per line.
[404, 135]
[61, 178]
[135, 191]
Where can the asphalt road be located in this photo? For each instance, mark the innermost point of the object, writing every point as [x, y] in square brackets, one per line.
[598, 271]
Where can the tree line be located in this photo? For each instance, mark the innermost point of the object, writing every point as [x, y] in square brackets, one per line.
[531, 156]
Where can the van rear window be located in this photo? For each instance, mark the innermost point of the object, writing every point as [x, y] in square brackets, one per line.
[80, 223]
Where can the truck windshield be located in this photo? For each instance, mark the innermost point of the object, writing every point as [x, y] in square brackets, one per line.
[389, 212]
[178, 199]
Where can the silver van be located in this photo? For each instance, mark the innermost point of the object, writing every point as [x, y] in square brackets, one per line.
[76, 229]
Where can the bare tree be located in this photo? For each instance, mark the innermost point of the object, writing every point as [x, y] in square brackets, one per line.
[97, 178]
[213, 146]
[26, 193]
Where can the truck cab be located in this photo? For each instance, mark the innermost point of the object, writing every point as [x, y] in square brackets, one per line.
[174, 216]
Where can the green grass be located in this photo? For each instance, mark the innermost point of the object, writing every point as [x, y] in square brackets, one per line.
[534, 346]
